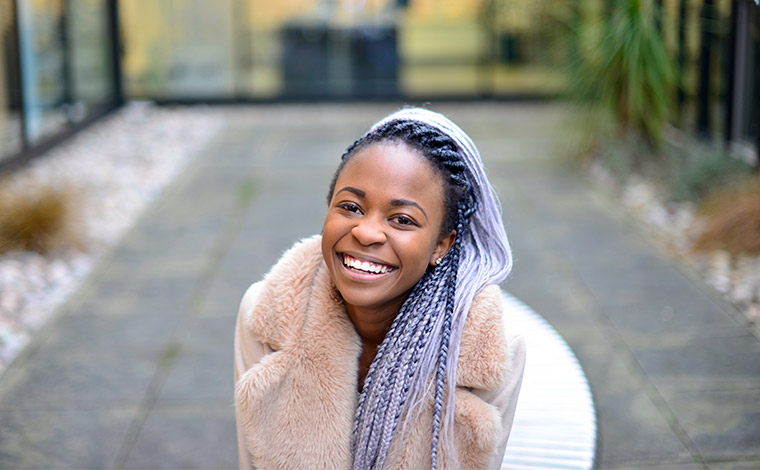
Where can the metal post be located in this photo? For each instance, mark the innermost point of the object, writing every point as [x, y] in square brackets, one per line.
[681, 59]
[487, 63]
[116, 52]
[20, 77]
[68, 53]
[241, 50]
[705, 62]
[729, 73]
[755, 77]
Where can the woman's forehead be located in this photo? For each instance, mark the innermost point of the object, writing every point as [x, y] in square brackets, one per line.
[395, 170]
[389, 158]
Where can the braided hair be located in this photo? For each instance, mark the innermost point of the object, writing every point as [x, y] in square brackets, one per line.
[419, 353]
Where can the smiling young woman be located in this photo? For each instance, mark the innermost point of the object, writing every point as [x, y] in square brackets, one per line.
[381, 233]
[381, 343]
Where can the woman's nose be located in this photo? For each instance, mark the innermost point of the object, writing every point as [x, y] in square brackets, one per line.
[369, 231]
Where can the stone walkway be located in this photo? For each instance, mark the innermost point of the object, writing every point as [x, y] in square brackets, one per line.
[135, 370]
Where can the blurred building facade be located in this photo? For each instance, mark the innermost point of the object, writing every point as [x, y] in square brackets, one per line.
[65, 62]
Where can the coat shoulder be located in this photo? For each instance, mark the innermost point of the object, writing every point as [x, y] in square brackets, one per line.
[273, 308]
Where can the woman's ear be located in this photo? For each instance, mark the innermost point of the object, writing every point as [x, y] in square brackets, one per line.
[442, 247]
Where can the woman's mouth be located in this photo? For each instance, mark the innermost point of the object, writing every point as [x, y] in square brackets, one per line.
[364, 266]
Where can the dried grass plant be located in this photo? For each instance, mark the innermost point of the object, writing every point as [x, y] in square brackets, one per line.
[36, 217]
[732, 220]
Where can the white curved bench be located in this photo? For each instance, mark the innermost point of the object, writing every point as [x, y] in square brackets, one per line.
[555, 420]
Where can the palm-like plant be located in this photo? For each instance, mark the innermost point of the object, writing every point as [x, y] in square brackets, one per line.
[626, 68]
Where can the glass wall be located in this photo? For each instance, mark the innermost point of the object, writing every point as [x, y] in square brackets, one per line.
[179, 48]
[261, 49]
[57, 69]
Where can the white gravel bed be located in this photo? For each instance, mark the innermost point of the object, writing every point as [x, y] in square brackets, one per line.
[115, 168]
[675, 227]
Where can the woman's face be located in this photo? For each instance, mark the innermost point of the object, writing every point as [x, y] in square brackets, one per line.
[382, 228]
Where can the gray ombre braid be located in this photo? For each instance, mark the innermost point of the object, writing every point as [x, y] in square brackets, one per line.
[420, 350]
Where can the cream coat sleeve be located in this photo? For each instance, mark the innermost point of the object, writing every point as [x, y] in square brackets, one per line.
[504, 398]
[249, 350]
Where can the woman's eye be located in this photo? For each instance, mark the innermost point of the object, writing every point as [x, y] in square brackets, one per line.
[403, 220]
[349, 206]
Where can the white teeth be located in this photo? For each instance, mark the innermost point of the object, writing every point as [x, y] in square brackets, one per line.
[365, 265]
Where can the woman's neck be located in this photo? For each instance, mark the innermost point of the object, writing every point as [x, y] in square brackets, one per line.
[371, 324]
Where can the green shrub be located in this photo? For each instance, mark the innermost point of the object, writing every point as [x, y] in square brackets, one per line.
[697, 169]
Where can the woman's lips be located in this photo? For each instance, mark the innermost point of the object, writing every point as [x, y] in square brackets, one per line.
[365, 266]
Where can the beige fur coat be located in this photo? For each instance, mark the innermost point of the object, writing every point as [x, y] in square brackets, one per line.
[296, 372]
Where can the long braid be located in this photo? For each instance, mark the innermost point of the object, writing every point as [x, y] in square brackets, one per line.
[453, 259]
[418, 355]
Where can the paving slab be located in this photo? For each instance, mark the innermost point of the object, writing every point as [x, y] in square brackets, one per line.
[735, 465]
[62, 439]
[632, 428]
[71, 380]
[724, 424]
[205, 442]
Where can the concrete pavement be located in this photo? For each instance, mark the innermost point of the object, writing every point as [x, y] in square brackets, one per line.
[135, 370]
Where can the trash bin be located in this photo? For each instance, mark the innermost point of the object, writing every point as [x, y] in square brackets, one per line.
[375, 62]
[319, 61]
[304, 61]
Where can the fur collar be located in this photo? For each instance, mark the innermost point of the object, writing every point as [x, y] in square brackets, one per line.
[299, 401]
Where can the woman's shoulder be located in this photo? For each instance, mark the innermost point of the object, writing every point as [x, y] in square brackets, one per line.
[488, 343]
[271, 308]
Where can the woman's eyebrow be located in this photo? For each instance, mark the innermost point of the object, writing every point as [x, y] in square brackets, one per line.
[353, 190]
[407, 202]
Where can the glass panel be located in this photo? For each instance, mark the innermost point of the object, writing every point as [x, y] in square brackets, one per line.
[90, 56]
[43, 69]
[178, 48]
[10, 116]
[258, 66]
